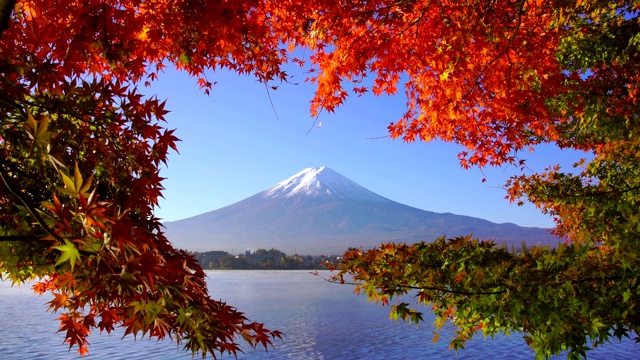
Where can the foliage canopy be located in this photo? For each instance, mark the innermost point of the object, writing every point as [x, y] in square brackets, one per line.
[499, 78]
[80, 150]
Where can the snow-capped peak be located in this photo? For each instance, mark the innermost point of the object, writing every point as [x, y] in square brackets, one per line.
[321, 181]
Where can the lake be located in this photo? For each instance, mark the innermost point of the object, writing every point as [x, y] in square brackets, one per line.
[320, 320]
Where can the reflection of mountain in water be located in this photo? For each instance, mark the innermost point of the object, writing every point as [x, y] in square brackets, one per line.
[318, 211]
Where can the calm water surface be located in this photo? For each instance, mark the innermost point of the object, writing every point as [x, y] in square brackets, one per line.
[320, 321]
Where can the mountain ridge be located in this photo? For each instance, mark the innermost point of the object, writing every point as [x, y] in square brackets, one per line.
[319, 211]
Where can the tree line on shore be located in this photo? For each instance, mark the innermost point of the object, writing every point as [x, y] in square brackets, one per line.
[263, 259]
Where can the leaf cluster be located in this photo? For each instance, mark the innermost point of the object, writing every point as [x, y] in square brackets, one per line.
[559, 299]
[499, 78]
[80, 156]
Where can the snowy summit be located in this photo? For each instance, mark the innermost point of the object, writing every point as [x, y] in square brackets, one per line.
[321, 182]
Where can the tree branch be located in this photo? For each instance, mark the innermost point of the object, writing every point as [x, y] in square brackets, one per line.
[32, 210]
[476, 82]
[9, 238]
[496, 292]
[603, 193]
[11, 102]
[431, 288]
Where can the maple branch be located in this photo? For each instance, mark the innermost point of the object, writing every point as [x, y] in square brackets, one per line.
[403, 286]
[12, 102]
[461, 292]
[597, 94]
[509, 86]
[432, 288]
[51, 106]
[504, 51]
[315, 121]
[590, 279]
[377, 14]
[32, 210]
[271, 101]
[6, 10]
[600, 193]
[449, 291]
[417, 20]
[10, 238]
[378, 137]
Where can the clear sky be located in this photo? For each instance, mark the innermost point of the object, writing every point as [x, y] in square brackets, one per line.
[234, 146]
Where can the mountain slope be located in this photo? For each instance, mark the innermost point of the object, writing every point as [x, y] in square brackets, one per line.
[318, 211]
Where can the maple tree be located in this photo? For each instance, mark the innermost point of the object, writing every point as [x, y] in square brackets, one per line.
[499, 78]
[81, 148]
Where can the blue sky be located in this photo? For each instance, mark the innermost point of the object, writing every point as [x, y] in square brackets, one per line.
[233, 146]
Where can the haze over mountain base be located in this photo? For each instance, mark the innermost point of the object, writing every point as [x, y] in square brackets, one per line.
[318, 211]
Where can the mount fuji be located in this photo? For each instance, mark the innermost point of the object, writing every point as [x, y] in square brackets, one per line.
[318, 211]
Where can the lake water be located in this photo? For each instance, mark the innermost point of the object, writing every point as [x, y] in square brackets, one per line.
[320, 321]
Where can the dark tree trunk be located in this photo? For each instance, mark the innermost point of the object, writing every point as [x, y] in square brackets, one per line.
[6, 9]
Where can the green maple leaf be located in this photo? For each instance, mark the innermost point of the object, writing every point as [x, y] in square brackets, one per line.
[68, 252]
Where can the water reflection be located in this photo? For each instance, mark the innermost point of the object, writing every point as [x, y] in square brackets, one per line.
[320, 321]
